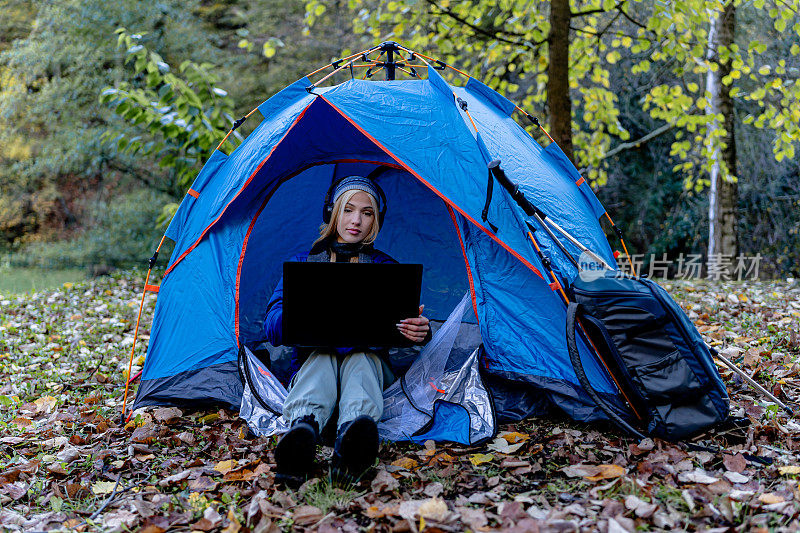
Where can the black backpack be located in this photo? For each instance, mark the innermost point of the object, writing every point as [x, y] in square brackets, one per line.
[653, 352]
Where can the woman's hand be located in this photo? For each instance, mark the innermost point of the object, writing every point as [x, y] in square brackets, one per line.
[415, 329]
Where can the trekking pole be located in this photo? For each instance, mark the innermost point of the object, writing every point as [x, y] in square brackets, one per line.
[541, 217]
[750, 381]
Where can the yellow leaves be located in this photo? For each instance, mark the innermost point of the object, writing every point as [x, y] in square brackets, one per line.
[223, 467]
[513, 437]
[791, 470]
[103, 487]
[211, 417]
[607, 472]
[481, 458]
[406, 463]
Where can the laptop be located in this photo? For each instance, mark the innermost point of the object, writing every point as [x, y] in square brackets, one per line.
[348, 304]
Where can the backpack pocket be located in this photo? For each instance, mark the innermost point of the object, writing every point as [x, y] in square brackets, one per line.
[667, 379]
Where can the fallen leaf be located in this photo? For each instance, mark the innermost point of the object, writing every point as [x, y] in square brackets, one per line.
[513, 437]
[144, 435]
[789, 470]
[233, 524]
[474, 518]
[55, 442]
[209, 418]
[607, 472]
[433, 509]
[480, 458]
[771, 498]
[406, 463]
[501, 445]
[103, 487]
[307, 515]
[14, 490]
[734, 463]
[736, 477]
[223, 467]
[175, 478]
[45, 404]
[641, 508]
[202, 484]
[384, 482]
[77, 491]
[167, 414]
[644, 446]
[698, 476]
[581, 470]
[433, 489]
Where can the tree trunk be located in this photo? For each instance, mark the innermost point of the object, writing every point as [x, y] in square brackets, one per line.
[724, 191]
[558, 100]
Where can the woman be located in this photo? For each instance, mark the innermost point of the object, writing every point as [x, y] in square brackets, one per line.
[352, 380]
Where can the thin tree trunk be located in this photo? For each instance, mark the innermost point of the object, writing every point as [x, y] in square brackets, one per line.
[724, 191]
[558, 100]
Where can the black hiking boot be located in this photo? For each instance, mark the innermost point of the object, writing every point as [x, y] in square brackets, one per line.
[295, 452]
[355, 450]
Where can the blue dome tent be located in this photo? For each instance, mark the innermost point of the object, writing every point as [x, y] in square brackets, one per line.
[248, 211]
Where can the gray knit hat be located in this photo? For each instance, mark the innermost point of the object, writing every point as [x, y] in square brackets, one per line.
[356, 183]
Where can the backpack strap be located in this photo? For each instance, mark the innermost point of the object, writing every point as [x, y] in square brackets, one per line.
[577, 365]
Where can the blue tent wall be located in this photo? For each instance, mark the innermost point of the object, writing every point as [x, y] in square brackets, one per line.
[411, 124]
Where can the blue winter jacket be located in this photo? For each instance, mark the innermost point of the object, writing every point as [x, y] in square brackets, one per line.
[273, 325]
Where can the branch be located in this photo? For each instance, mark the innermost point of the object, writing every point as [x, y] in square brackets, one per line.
[634, 144]
[631, 19]
[595, 10]
[482, 31]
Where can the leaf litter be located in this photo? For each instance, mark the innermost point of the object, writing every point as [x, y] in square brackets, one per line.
[68, 463]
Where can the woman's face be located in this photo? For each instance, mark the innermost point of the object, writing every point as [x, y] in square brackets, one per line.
[355, 221]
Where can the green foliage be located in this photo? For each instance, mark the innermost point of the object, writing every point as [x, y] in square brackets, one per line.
[50, 119]
[757, 78]
[177, 118]
[504, 44]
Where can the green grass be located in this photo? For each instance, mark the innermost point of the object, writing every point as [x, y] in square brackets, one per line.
[20, 280]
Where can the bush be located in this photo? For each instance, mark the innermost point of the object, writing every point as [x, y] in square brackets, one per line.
[122, 234]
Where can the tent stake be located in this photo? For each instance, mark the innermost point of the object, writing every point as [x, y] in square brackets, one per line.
[750, 381]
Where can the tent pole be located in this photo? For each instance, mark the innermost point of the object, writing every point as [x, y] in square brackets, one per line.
[152, 263]
[750, 381]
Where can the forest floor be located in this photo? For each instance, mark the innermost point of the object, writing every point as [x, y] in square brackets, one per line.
[66, 463]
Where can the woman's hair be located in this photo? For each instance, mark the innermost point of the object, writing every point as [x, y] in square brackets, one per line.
[329, 229]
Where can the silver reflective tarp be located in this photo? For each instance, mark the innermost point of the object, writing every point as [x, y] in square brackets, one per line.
[439, 373]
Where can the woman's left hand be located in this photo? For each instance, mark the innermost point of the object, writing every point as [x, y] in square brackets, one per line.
[415, 329]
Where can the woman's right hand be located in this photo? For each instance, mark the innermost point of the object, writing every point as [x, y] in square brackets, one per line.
[415, 329]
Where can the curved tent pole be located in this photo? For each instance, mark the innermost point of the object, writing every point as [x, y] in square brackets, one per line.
[535, 122]
[147, 287]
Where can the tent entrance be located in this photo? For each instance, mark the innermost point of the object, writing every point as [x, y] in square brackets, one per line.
[419, 228]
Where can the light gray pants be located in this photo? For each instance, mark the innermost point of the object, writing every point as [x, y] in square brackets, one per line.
[355, 381]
